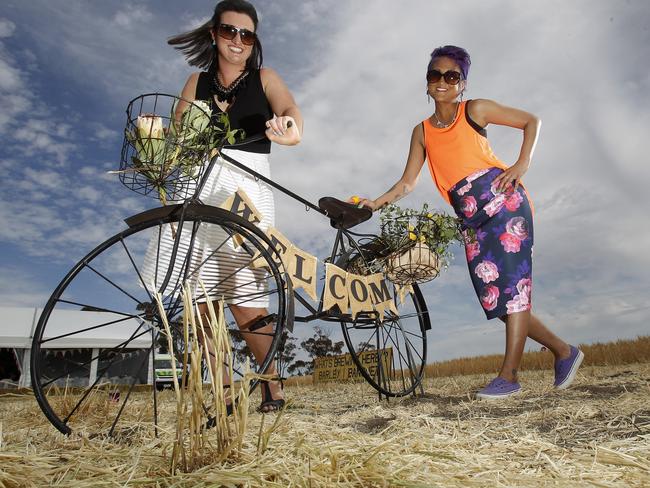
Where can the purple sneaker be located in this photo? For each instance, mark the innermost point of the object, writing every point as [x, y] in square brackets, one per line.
[498, 388]
[566, 369]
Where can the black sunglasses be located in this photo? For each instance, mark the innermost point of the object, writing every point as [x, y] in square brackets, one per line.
[451, 77]
[229, 32]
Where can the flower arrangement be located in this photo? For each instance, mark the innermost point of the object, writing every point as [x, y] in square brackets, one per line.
[417, 242]
[163, 154]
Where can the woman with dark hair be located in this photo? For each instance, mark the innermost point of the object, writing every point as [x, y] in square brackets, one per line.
[228, 50]
[488, 197]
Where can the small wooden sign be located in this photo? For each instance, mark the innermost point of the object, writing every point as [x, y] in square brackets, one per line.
[342, 368]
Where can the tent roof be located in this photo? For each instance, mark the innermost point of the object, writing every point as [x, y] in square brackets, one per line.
[17, 326]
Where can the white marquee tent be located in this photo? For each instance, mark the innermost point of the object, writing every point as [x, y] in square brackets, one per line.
[17, 327]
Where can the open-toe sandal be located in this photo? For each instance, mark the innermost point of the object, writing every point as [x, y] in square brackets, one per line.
[269, 405]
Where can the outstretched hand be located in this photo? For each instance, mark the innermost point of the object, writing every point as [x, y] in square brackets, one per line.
[511, 176]
[283, 130]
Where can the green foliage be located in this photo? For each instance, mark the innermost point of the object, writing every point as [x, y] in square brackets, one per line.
[402, 228]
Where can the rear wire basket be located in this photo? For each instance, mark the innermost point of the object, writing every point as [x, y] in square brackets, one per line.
[414, 263]
[403, 262]
[410, 259]
[155, 161]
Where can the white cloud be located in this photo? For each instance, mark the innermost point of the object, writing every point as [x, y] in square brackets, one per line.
[132, 15]
[9, 76]
[357, 71]
[588, 177]
[7, 28]
[23, 289]
[104, 134]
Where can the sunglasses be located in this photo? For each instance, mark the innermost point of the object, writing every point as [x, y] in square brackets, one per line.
[451, 77]
[229, 32]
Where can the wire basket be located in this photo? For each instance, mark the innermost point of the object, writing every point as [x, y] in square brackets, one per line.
[402, 261]
[163, 153]
[416, 263]
[410, 239]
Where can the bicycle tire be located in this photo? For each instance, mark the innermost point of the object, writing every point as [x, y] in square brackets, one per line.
[402, 338]
[113, 266]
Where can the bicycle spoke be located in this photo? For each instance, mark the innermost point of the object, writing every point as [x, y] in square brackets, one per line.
[128, 395]
[89, 390]
[69, 334]
[184, 266]
[400, 329]
[383, 376]
[79, 367]
[234, 369]
[397, 348]
[155, 276]
[211, 255]
[92, 308]
[109, 281]
[135, 267]
[251, 297]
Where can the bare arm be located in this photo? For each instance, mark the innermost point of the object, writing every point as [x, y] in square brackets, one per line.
[285, 107]
[188, 93]
[485, 112]
[409, 178]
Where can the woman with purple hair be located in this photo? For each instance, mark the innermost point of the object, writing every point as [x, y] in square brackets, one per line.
[496, 215]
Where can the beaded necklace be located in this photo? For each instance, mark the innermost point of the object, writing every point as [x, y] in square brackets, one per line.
[227, 94]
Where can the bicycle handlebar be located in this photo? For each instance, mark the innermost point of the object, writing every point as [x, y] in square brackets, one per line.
[248, 140]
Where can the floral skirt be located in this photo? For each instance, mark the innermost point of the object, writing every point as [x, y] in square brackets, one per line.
[498, 231]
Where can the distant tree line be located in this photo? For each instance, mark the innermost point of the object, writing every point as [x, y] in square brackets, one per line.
[318, 345]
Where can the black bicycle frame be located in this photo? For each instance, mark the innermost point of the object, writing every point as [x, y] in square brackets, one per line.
[339, 242]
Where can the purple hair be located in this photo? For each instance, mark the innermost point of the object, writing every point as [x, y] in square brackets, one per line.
[455, 53]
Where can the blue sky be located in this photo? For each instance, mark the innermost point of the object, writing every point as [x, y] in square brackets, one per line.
[68, 70]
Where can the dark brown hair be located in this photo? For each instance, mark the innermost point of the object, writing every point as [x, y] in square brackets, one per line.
[197, 46]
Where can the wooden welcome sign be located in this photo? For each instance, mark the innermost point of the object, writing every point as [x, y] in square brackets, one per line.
[348, 291]
[341, 368]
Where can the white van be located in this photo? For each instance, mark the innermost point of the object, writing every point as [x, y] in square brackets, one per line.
[163, 371]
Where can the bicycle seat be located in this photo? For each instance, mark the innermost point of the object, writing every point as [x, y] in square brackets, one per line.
[343, 215]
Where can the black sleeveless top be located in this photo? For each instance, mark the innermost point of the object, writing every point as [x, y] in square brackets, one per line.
[249, 111]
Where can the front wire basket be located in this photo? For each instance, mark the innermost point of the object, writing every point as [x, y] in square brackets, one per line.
[163, 155]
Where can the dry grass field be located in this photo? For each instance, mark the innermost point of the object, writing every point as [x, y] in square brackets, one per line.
[599, 354]
[595, 434]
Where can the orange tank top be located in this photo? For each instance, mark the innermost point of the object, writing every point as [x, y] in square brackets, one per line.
[456, 151]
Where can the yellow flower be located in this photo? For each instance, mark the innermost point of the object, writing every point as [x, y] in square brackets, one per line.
[412, 236]
[355, 199]
[423, 238]
[411, 227]
[430, 215]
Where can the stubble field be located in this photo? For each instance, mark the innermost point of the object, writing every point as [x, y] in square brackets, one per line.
[595, 434]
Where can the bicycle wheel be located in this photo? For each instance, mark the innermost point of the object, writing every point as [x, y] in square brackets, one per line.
[400, 337]
[94, 347]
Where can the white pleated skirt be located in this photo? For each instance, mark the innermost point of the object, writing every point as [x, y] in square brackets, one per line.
[216, 260]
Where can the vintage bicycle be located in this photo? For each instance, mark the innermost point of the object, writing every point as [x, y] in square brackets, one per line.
[109, 293]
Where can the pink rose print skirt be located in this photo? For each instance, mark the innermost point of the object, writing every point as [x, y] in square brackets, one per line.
[498, 231]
